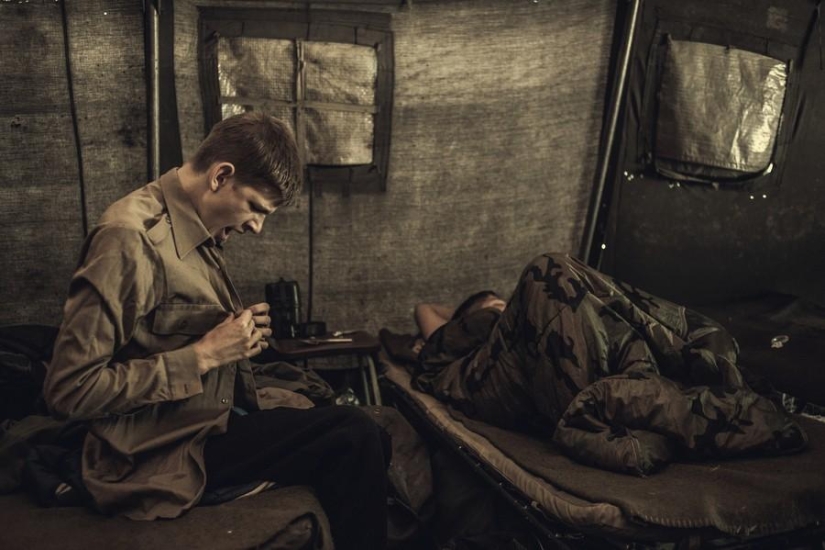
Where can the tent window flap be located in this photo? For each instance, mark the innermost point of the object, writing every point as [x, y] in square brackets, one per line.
[719, 111]
[327, 74]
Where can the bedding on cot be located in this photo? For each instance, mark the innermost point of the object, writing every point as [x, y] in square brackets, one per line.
[741, 499]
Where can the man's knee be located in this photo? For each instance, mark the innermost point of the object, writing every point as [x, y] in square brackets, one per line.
[359, 424]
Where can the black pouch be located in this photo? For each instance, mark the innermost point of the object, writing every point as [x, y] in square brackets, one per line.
[284, 299]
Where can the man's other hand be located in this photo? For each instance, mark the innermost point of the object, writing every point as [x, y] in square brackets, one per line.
[260, 314]
[262, 320]
[237, 337]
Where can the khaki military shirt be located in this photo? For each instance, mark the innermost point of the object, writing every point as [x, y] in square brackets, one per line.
[149, 284]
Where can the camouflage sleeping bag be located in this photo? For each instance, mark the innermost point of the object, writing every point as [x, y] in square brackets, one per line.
[618, 378]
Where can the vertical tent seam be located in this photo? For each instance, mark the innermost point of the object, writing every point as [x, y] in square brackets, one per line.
[75, 126]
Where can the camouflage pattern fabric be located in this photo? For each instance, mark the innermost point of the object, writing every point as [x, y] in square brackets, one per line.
[619, 378]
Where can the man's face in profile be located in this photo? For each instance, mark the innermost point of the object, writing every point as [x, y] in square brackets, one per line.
[237, 207]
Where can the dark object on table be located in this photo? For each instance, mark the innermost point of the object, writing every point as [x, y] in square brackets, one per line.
[284, 299]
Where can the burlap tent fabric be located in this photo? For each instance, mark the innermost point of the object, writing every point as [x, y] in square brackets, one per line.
[43, 199]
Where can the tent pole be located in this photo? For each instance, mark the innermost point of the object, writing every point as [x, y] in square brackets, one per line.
[152, 26]
[586, 251]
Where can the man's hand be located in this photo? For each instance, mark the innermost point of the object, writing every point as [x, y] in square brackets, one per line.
[260, 314]
[238, 337]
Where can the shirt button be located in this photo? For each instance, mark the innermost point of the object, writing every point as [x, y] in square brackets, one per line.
[224, 400]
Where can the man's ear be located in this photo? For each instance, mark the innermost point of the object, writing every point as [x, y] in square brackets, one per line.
[219, 174]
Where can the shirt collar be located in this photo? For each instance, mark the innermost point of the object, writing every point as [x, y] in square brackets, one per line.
[188, 230]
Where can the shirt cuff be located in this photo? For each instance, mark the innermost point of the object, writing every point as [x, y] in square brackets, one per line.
[182, 373]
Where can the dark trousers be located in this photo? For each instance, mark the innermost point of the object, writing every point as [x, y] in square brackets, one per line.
[338, 450]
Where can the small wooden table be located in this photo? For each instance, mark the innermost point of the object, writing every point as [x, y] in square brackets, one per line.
[364, 346]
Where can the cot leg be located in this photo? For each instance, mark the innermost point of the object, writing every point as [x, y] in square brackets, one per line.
[376, 391]
[362, 368]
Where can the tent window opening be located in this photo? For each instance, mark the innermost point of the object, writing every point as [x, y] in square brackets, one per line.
[327, 75]
[719, 112]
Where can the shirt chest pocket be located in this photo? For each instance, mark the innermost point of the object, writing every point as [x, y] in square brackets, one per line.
[187, 319]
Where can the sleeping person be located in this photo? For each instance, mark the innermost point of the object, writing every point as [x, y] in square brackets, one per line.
[618, 378]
